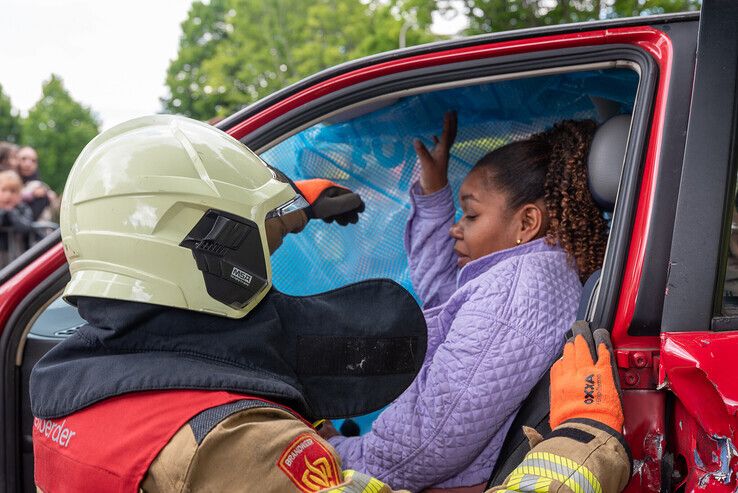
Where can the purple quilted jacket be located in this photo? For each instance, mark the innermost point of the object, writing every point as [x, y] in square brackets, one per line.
[494, 327]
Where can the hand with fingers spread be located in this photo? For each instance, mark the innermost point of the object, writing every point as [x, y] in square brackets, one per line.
[434, 163]
[584, 381]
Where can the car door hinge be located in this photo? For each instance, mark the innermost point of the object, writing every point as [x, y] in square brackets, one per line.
[638, 368]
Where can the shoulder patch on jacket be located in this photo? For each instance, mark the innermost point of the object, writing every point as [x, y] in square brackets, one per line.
[309, 465]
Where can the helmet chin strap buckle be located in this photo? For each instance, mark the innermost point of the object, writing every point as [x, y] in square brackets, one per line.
[228, 251]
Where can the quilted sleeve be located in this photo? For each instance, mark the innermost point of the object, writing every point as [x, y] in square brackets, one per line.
[429, 247]
[478, 377]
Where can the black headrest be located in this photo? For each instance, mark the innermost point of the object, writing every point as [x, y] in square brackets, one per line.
[605, 160]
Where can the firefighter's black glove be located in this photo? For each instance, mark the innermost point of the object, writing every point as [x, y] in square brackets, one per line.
[330, 202]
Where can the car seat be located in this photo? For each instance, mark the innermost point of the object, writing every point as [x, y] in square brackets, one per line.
[605, 164]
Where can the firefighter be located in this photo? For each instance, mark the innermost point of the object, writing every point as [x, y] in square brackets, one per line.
[194, 374]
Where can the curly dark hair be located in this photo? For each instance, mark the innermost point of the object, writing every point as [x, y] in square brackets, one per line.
[551, 165]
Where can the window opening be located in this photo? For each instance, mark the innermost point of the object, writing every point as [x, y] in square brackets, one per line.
[373, 154]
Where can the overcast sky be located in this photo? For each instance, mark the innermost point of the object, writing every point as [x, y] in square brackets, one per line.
[112, 54]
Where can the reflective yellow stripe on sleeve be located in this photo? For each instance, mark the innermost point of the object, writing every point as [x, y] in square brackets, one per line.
[539, 469]
[528, 482]
[356, 482]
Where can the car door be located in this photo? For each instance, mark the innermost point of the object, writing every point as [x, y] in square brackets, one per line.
[629, 295]
[625, 299]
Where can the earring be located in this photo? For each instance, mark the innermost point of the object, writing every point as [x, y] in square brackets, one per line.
[520, 240]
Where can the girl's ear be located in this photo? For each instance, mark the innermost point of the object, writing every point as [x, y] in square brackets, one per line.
[532, 219]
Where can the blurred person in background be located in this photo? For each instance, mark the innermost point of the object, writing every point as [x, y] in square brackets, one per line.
[37, 194]
[8, 156]
[16, 218]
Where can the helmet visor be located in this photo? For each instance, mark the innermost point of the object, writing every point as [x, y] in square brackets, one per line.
[295, 204]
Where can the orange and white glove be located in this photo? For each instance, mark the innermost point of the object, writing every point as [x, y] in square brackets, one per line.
[584, 381]
[330, 202]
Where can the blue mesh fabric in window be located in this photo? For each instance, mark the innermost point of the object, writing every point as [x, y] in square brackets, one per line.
[373, 155]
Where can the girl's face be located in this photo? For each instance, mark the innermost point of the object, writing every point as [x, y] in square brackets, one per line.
[10, 194]
[487, 225]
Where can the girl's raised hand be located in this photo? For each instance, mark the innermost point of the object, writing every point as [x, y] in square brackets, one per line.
[434, 163]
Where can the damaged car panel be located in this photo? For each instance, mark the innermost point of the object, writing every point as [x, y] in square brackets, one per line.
[698, 368]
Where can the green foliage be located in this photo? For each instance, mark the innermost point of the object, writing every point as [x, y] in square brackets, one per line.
[58, 128]
[10, 124]
[189, 91]
[502, 15]
[630, 8]
[234, 52]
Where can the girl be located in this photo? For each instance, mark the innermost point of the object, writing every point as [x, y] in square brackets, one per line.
[500, 288]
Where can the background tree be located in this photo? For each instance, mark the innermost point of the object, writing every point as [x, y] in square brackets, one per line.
[233, 52]
[630, 8]
[58, 128]
[10, 124]
[204, 28]
[501, 15]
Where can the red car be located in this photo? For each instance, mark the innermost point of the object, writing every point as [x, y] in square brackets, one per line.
[663, 168]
